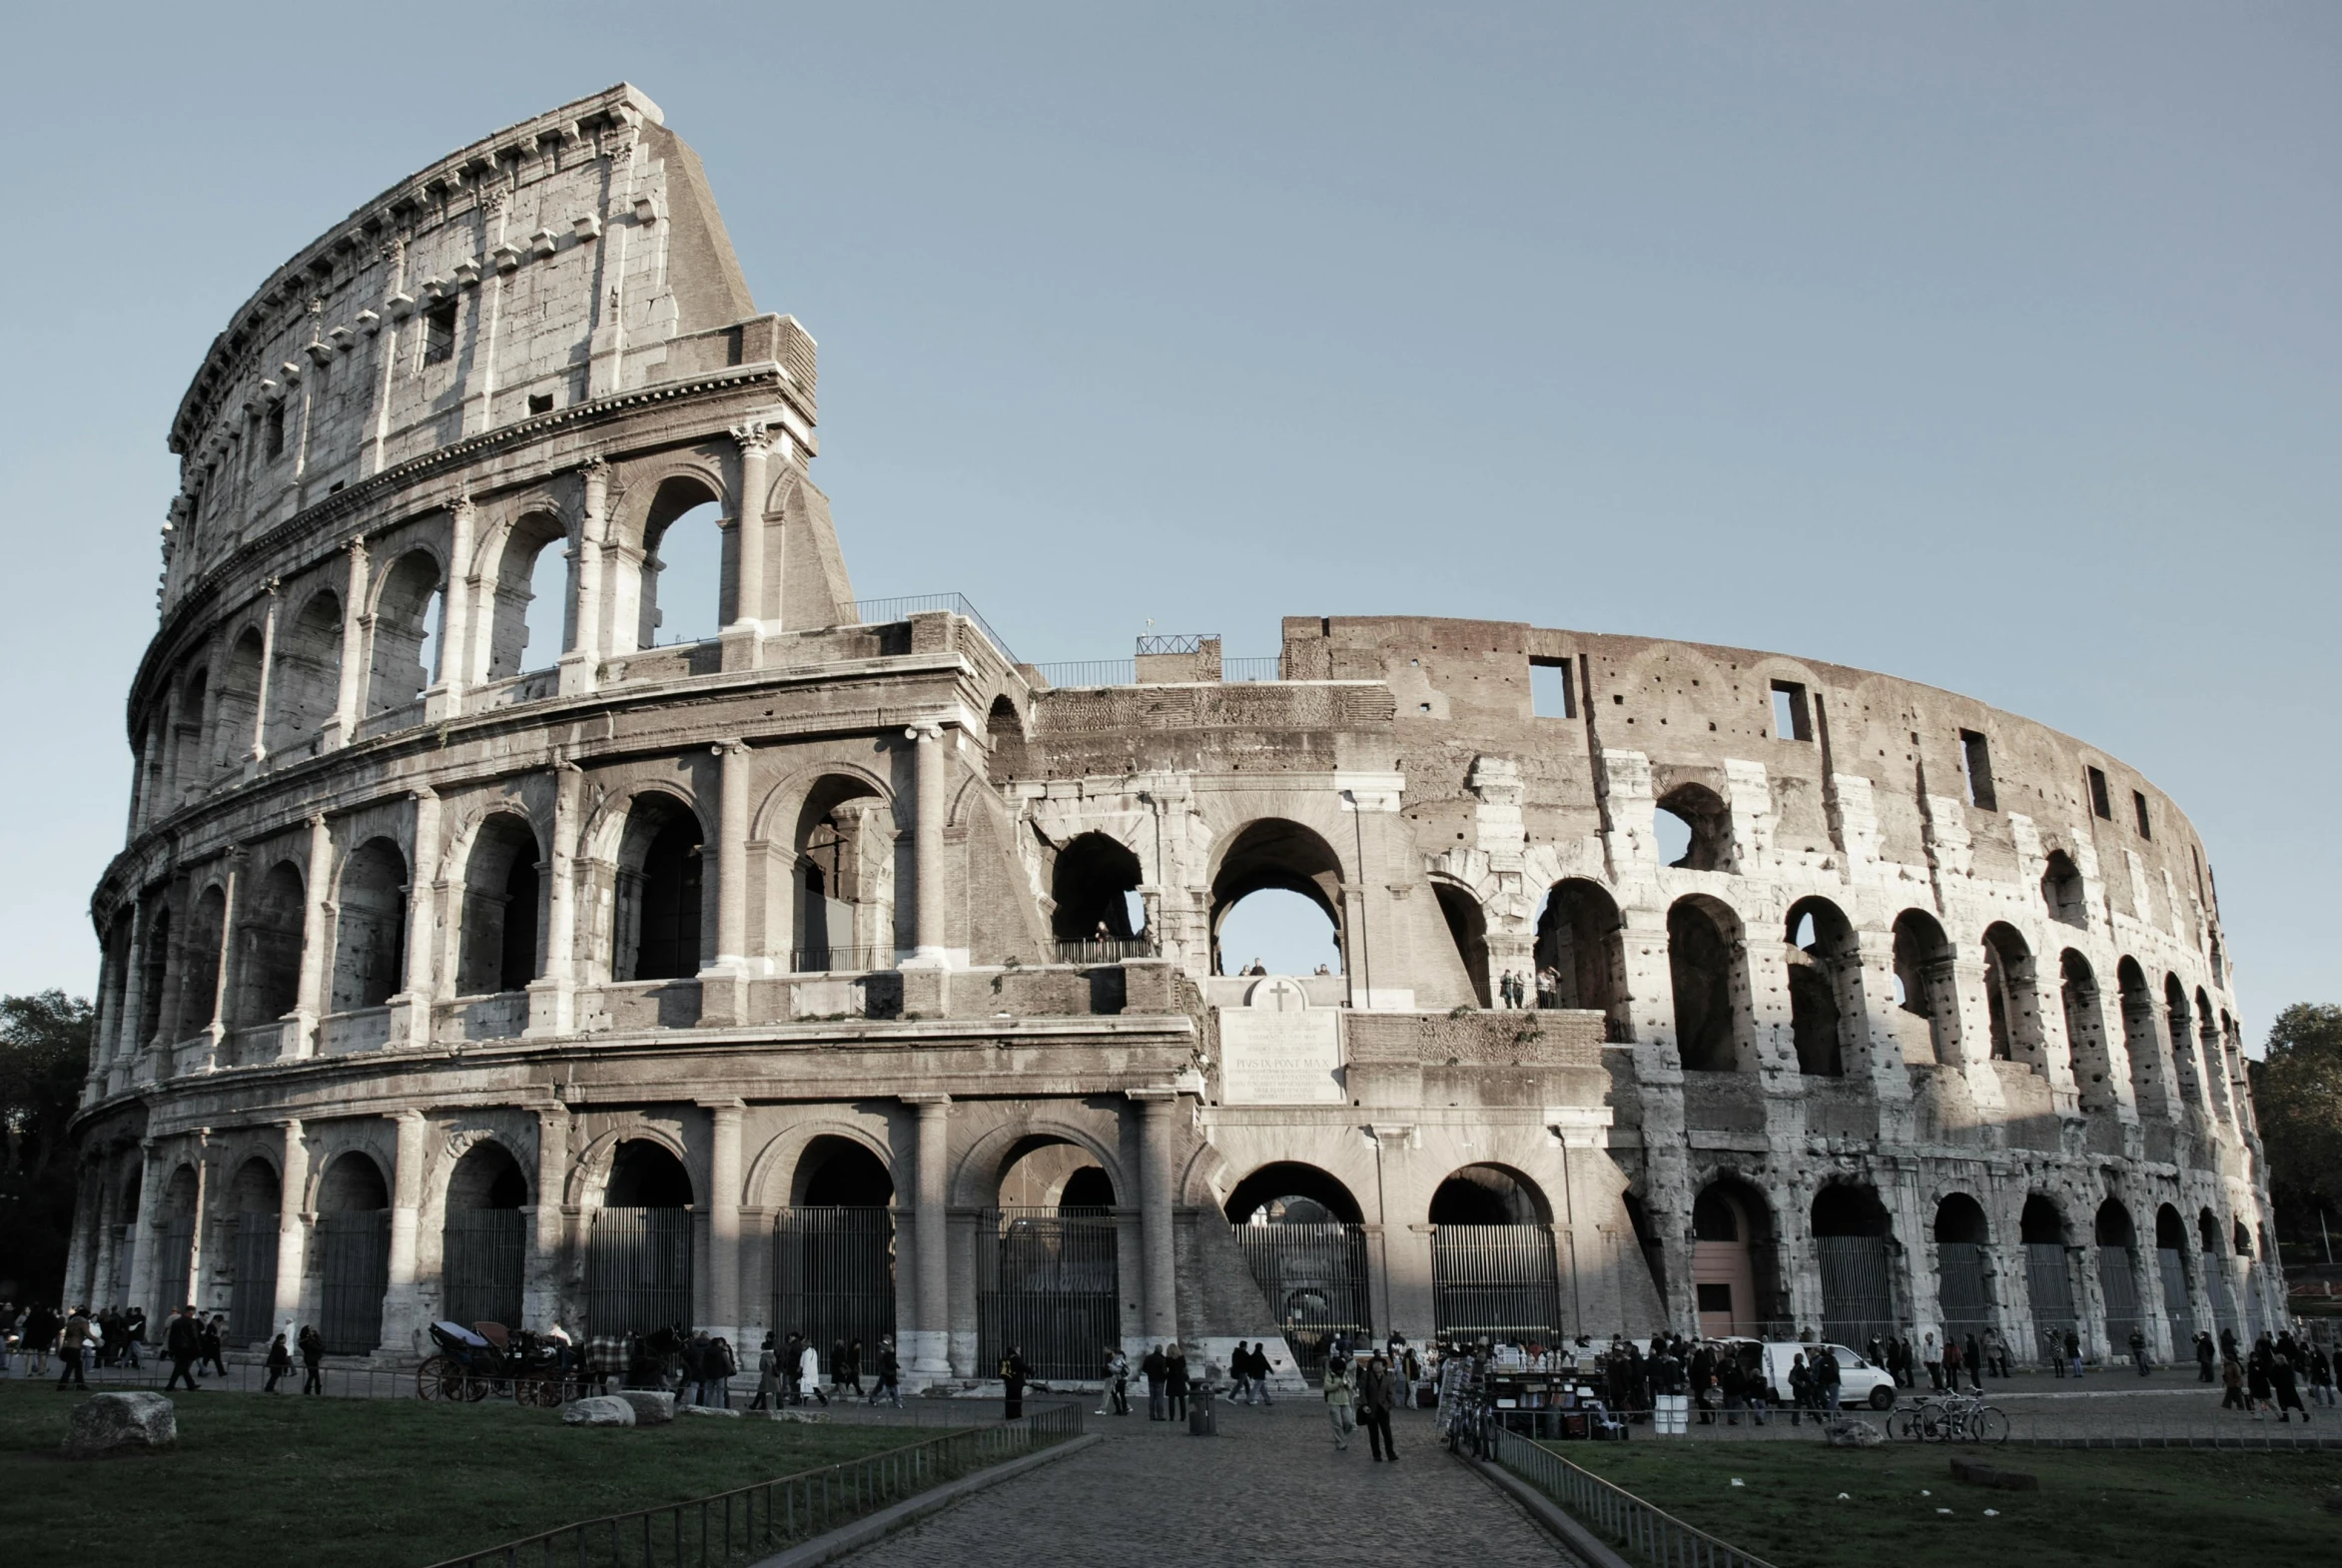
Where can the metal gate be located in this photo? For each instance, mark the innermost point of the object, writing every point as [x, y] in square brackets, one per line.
[252, 1303]
[2177, 1306]
[176, 1258]
[834, 1278]
[1315, 1278]
[1966, 1298]
[354, 1246]
[1857, 1295]
[2118, 1286]
[1048, 1286]
[2050, 1284]
[638, 1271]
[484, 1255]
[1495, 1283]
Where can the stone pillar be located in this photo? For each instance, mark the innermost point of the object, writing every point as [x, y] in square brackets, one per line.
[109, 1263]
[552, 1000]
[415, 999]
[927, 855]
[142, 1236]
[317, 973]
[926, 1347]
[230, 900]
[125, 1043]
[207, 1188]
[743, 637]
[723, 985]
[443, 700]
[293, 1222]
[541, 1297]
[580, 666]
[260, 701]
[723, 1224]
[1158, 1176]
[81, 1249]
[401, 1323]
[349, 695]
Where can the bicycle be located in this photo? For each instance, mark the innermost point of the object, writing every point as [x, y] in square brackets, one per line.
[1949, 1418]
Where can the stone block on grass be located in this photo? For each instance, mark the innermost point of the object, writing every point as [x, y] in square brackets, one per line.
[653, 1408]
[1851, 1433]
[603, 1410]
[107, 1424]
[705, 1410]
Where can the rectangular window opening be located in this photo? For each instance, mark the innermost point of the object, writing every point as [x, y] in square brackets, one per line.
[541, 402]
[2101, 804]
[275, 431]
[1793, 717]
[1716, 1298]
[2139, 807]
[438, 333]
[1552, 692]
[1975, 759]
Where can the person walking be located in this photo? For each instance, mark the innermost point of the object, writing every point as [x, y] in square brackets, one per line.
[1933, 1360]
[183, 1343]
[2321, 1377]
[1239, 1374]
[1973, 1357]
[1118, 1379]
[1341, 1398]
[1951, 1361]
[1825, 1376]
[889, 1374]
[2205, 1355]
[2257, 1384]
[846, 1366]
[2232, 1383]
[215, 1346]
[768, 1377]
[70, 1350]
[809, 1375]
[792, 1364]
[1156, 1368]
[1176, 1382]
[2139, 1348]
[36, 1336]
[312, 1361]
[280, 1363]
[1377, 1393]
[2289, 1387]
[1014, 1372]
[2073, 1351]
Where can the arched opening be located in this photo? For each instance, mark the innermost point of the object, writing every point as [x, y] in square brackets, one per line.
[2008, 996]
[683, 549]
[235, 718]
[1963, 1265]
[2062, 893]
[2086, 1030]
[1494, 1275]
[2139, 1035]
[1004, 742]
[1733, 1261]
[1852, 1243]
[125, 1227]
[2048, 1275]
[1289, 884]
[1048, 1286]
[2182, 1029]
[843, 877]
[2118, 1275]
[834, 1251]
[307, 683]
[255, 1199]
[1710, 994]
[1301, 1231]
[1926, 1002]
[498, 950]
[199, 967]
[354, 1253]
[638, 1256]
[370, 926]
[530, 623]
[2215, 1051]
[1095, 883]
[193, 764]
[2220, 1274]
[1581, 953]
[1825, 986]
[269, 930]
[2171, 1271]
[154, 964]
[660, 892]
[483, 1249]
[408, 610]
[1693, 829]
[175, 1248]
[1467, 927]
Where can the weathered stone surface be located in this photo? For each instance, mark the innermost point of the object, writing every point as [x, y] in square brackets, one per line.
[1848, 1432]
[107, 1424]
[651, 1406]
[705, 1410]
[601, 1410]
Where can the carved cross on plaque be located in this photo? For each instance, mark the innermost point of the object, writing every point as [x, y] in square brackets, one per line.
[1278, 995]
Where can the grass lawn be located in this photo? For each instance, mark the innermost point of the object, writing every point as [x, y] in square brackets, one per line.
[2139, 1509]
[259, 1480]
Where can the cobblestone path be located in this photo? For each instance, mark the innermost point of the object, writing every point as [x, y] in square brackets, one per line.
[1270, 1489]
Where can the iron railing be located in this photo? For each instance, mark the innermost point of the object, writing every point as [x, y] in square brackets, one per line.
[1630, 1522]
[1495, 1283]
[1048, 1286]
[1091, 672]
[638, 1271]
[838, 958]
[754, 1522]
[1234, 671]
[1313, 1278]
[877, 613]
[354, 1250]
[1178, 642]
[1103, 949]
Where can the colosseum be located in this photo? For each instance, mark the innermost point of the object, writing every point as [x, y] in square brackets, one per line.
[478, 952]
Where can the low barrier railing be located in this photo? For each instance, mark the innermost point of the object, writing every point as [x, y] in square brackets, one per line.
[878, 612]
[1614, 1512]
[752, 1521]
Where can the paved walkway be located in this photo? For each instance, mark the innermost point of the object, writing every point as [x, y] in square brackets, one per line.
[1270, 1489]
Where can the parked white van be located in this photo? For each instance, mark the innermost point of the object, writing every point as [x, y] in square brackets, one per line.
[1858, 1382]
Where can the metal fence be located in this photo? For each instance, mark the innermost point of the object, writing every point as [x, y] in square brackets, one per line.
[2119, 1284]
[251, 1299]
[1614, 1512]
[1857, 1299]
[484, 1255]
[1314, 1277]
[754, 1522]
[1091, 672]
[176, 1253]
[1495, 1283]
[1106, 950]
[834, 1278]
[638, 1271]
[1966, 1298]
[840, 958]
[2177, 1309]
[1048, 1286]
[1244, 671]
[878, 612]
[354, 1246]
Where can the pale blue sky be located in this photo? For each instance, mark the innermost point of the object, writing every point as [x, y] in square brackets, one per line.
[1991, 345]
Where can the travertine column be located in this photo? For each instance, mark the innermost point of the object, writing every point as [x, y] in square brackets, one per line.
[142, 1236]
[926, 1347]
[581, 664]
[400, 1321]
[350, 697]
[422, 925]
[551, 999]
[230, 909]
[123, 1048]
[261, 698]
[724, 1217]
[301, 1036]
[724, 984]
[541, 1302]
[108, 1265]
[81, 1250]
[931, 758]
[1158, 1178]
[293, 1222]
[445, 697]
[748, 507]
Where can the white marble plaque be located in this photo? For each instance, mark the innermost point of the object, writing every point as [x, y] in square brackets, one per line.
[1279, 1057]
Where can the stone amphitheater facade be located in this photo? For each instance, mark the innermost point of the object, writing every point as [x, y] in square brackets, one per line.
[841, 967]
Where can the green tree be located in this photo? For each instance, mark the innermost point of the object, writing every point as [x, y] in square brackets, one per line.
[2297, 1096]
[44, 1055]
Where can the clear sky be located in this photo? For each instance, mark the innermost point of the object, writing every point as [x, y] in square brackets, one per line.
[1991, 344]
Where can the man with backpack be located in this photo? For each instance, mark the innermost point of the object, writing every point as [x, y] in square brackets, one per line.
[183, 1343]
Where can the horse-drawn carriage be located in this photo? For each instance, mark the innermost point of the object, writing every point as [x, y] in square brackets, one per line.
[486, 1359]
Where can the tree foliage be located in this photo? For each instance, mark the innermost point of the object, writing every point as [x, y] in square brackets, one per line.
[44, 1055]
[2297, 1095]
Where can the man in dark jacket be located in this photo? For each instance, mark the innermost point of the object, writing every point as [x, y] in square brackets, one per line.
[1014, 1372]
[1376, 1394]
[183, 1341]
[69, 1349]
[890, 1376]
[1157, 1370]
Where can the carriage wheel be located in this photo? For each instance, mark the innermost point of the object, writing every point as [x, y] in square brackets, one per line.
[475, 1389]
[433, 1378]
